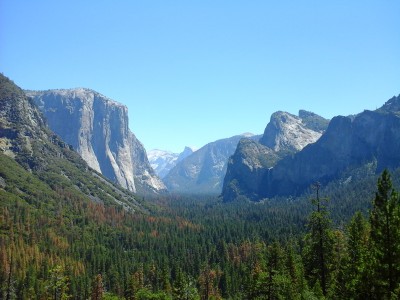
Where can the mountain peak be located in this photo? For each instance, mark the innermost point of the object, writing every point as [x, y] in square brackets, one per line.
[163, 161]
[247, 134]
[392, 105]
[287, 132]
[186, 152]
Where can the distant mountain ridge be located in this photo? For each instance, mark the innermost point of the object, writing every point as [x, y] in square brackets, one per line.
[203, 171]
[97, 128]
[163, 161]
[370, 139]
[252, 161]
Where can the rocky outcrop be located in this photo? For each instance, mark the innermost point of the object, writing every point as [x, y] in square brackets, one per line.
[204, 170]
[97, 128]
[287, 132]
[163, 161]
[251, 165]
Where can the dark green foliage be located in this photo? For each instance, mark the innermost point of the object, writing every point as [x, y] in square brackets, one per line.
[57, 287]
[357, 272]
[313, 121]
[385, 238]
[319, 241]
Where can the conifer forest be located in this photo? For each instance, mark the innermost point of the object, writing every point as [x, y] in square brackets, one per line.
[56, 245]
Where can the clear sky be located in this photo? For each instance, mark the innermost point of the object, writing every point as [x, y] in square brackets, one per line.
[192, 72]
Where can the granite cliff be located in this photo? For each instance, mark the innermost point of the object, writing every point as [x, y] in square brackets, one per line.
[32, 153]
[97, 128]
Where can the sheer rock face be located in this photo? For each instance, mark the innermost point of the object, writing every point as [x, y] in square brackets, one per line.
[252, 163]
[97, 128]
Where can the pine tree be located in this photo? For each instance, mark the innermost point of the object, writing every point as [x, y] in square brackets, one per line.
[131, 288]
[179, 286]
[10, 282]
[10, 290]
[97, 288]
[184, 288]
[294, 271]
[274, 268]
[208, 282]
[385, 238]
[319, 241]
[165, 280]
[135, 284]
[58, 285]
[357, 271]
[338, 278]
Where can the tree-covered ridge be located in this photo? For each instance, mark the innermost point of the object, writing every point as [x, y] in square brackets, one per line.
[313, 120]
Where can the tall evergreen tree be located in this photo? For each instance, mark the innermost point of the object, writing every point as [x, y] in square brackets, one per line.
[295, 269]
[179, 286]
[58, 285]
[385, 238]
[97, 288]
[165, 280]
[274, 268]
[319, 242]
[357, 272]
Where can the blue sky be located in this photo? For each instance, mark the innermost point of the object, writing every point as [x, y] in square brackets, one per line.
[192, 72]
